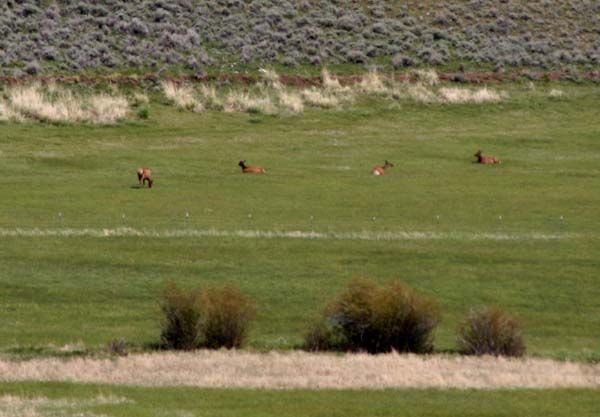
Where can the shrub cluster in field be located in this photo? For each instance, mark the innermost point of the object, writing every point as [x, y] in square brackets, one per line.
[211, 318]
[364, 317]
[270, 97]
[54, 104]
[73, 35]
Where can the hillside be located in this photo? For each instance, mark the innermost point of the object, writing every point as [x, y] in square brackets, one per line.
[68, 36]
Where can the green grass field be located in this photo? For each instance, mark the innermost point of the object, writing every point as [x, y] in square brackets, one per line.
[60, 290]
[50, 399]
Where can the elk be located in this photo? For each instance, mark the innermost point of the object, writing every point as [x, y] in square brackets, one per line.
[482, 159]
[251, 169]
[145, 174]
[380, 169]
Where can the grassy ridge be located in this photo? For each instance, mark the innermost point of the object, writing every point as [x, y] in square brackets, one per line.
[60, 290]
[135, 402]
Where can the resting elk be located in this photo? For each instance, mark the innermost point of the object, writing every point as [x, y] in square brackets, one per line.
[482, 159]
[250, 169]
[380, 169]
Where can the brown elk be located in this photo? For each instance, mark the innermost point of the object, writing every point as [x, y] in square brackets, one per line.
[380, 169]
[145, 174]
[250, 169]
[482, 159]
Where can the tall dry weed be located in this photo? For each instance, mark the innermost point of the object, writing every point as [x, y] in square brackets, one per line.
[291, 102]
[183, 96]
[372, 83]
[244, 102]
[455, 95]
[427, 77]
[320, 98]
[210, 97]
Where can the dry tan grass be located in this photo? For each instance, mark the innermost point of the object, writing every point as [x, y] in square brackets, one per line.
[210, 97]
[320, 98]
[555, 93]
[271, 77]
[15, 406]
[426, 76]
[242, 102]
[330, 82]
[107, 109]
[419, 93]
[61, 105]
[140, 98]
[291, 102]
[290, 234]
[182, 95]
[301, 370]
[456, 95]
[7, 114]
[372, 83]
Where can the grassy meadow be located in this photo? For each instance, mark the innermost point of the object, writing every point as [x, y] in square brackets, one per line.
[51, 399]
[523, 235]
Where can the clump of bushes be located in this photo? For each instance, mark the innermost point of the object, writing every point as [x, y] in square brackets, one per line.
[491, 331]
[211, 318]
[367, 317]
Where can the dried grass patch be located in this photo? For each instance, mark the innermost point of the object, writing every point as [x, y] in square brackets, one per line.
[57, 105]
[302, 370]
[13, 406]
[454, 95]
[372, 83]
[183, 96]
[238, 101]
[320, 98]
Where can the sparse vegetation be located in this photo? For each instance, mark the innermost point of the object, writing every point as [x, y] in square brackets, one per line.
[491, 331]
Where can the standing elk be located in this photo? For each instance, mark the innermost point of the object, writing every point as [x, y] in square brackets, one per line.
[145, 174]
[250, 169]
[482, 159]
[380, 169]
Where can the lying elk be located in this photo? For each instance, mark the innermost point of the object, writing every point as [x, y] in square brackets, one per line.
[145, 174]
[482, 159]
[250, 169]
[380, 169]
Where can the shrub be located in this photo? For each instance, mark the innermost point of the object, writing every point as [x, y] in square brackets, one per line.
[181, 315]
[491, 331]
[401, 61]
[321, 336]
[143, 112]
[376, 319]
[226, 317]
[212, 318]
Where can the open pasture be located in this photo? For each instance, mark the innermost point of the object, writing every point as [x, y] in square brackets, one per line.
[51, 399]
[84, 252]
